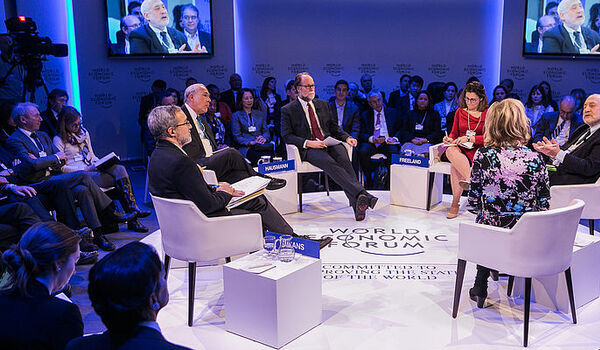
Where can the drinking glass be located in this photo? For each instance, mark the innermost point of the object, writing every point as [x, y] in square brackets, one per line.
[269, 245]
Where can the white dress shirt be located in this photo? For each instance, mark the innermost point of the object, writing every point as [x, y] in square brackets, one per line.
[169, 44]
[583, 48]
[340, 113]
[560, 157]
[383, 131]
[193, 40]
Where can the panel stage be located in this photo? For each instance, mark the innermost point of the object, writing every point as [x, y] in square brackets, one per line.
[388, 283]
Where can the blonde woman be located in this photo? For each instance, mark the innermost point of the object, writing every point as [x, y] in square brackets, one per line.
[507, 178]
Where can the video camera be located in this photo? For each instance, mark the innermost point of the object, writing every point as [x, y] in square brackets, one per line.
[27, 44]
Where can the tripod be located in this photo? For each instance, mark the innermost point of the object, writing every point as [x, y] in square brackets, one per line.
[33, 79]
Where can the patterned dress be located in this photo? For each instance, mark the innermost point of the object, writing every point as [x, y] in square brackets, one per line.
[506, 183]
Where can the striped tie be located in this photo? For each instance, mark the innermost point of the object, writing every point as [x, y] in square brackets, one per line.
[558, 130]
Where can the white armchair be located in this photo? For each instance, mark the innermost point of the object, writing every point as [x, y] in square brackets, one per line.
[540, 244]
[303, 167]
[189, 235]
[590, 193]
[436, 165]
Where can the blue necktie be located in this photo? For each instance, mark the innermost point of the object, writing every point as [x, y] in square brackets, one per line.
[165, 40]
[37, 142]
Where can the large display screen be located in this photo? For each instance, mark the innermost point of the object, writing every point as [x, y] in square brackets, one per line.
[562, 28]
[159, 28]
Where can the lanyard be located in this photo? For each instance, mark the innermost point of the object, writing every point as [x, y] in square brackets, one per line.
[250, 120]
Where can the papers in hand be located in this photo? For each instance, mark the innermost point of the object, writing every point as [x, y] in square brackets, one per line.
[468, 145]
[252, 187]
[330, 141]
[449, 144]
[107, 161]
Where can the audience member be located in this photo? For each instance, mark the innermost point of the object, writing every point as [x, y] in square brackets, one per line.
[163, 98]
[7, 125]
[380, 133]
[222, 107]
[560, 125]
[537, 104]
[580, 95]
[552, 10]
[172, 174]
[155, 37]
[507, 179]
[39, 265]
[422, 126]
[34, 148]
[366, 82]
[305, 123]
[464, 140]
[249, 128]
[509, 85]
[395, 95]
[546, 86]
[272, 103]
[230, 96]
[345, 112]
[356, 96]
[57, 99]
[543, 24]
[175, 95]
[407, 103]
[128, 24]
[578, 161]
[216, 125]
[127, 289]
[135, 8]
[595, 18]
[571, 36]
[449, 104]
[290, 92]
[75, 142]
[197, 39]
[190, 81]
[500, 93]
[148, 102]
[15, 219]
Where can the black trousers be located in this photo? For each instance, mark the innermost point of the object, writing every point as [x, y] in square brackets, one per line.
[335, 163]
[15, 219]
[229, 165]
[366, 150]
[271, 219]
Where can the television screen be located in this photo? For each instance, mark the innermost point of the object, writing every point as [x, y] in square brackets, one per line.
[159, 28]
[562, 28]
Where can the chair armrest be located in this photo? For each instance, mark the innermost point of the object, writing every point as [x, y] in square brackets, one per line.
[210, 177]
[348, 149]
[233, 235]
[562, 195]
[435, 153]
[292, 152]
[483, 244]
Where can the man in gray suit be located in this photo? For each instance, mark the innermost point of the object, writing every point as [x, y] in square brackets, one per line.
[571, 37]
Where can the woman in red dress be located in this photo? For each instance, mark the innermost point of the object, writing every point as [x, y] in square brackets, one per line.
[466, 137]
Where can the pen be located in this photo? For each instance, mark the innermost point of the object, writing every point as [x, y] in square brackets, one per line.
[257, 266]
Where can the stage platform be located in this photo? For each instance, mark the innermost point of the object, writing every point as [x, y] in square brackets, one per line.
[388, 283]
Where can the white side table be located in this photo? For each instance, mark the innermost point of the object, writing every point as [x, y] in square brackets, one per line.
[276, 306]
[285, 199]
[409, 184]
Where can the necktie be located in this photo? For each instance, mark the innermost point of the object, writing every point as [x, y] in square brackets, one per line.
[377, 126]
[165, 40]
[578, 40]
[557, 130]
[314, 126]
[579, 141]
[38, 144]
[203, 127]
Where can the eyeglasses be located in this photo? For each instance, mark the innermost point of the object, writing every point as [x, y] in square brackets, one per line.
[134, 26]
[190, 18]
[187, 122]
[472, 99]
[308, 86]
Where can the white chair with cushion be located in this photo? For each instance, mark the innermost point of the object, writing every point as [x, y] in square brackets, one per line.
[540, 244]
[303, 167]
[189, 235]
[436, 165]
[590, 193]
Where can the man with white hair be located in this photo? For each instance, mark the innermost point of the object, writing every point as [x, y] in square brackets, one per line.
[571, 37]
[155, 37]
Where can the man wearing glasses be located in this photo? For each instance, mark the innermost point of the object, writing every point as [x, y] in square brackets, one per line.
[306, 122]
[128, 24]
[155, 37]
[198, 40]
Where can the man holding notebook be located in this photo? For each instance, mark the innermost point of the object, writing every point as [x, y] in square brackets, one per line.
[173, 174]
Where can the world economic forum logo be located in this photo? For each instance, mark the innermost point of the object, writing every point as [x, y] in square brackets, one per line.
[385, 241]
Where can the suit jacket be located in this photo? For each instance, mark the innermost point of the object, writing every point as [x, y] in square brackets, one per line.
[143, 40]
[205, 40]
[547, 123]
[295, 128]
[557, 40]
[351, 121]
[49, 123]
[22, 147]
[39, 322]
[195, 149]
[228, 96]
[118, 48]
[145, 338]
[240, 123]
[394, 99]
[20, 171]
[393, 122]
[172, 174]
[583, 164]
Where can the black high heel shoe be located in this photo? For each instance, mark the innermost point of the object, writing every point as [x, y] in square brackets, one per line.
[478, 296]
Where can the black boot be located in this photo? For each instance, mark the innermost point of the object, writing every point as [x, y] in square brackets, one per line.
[101, 241]
[128, 198]
[479, 291]
[136, 226]
[110, 214]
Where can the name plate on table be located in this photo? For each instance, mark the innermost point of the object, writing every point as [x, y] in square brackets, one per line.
[409, 160]
[301, 246]
[274, 167]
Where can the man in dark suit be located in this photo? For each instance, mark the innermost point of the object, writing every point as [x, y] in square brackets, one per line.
[394, 99]
[407, 103]
[578, 161]
[380, 133]
[230, 96]
[190, 19]
[228, 164]
[128, 24]
[559, 125]
[57, 99]
[43, 162]
[155, 37]
[146, 104]
[543, 24]
[571, 37]
[173, 174]
[15, 219]
[306, 123]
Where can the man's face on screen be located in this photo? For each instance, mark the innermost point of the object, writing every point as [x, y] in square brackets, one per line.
[574, 15]
[547, 23]
[158, 15]
[189, 20]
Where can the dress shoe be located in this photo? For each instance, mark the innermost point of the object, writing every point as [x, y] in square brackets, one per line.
[360, 207]
[323, 242]
[276, 184]
[103, 243]
[478, 295]
[86, 258]
[86, 244]
[112, 215]
[372, 200]
[453, 212]
[136, 226]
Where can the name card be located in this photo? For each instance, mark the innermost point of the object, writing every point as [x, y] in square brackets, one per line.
[301, 246]
[274, 167]
[409, 160]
